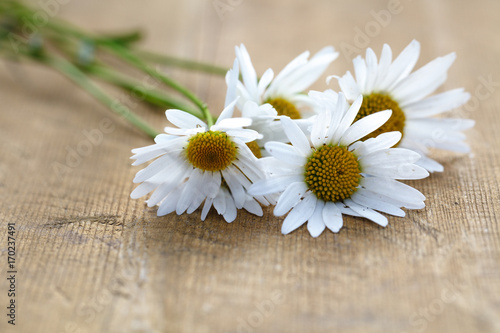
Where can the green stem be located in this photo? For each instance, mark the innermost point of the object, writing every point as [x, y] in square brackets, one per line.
[78, 77]
[181, 63]
[125, 54]
[151, 96]
[128, 56]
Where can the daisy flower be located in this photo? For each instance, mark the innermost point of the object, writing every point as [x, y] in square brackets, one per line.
[331, 173]
[285, 92]
[196, 163]
[387, 84]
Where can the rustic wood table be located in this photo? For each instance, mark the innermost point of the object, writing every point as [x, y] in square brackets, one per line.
[90, 259]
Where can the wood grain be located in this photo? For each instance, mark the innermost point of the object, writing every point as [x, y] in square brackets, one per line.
[90, 259]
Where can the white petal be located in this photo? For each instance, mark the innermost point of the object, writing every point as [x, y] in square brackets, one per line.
[423, 81]
[320, 128]
[245, 135]
[212, 181]
[191, 189]
[349, 86]
[157, 150]
[231, 212]
[360, 72]
[273, 185]
[315, 225]
[296, 136]
[247, 72]
[392, 189]
[164, 189]
[364, 126]
[332, 217]
[227, 112]
[367, 213]
[400, 171]
[168, 205]
[299, 214]
[429, 164]
[348, 118]
[184, 120]
[264, 81]
[142, 190]
[206, 208]
[253, 206]
[346, 210]
[232, 82]
[290, 197]
[401, 67]
[157, 166]
[198, 198]
[383, 67]
[371, 69]
[390, 156]
[237, 190]
[364, 199]
[220, 202]
[300, 60]
[436, 104]
[231, 123]
[382, 141]
[305, 75]
[286, 153]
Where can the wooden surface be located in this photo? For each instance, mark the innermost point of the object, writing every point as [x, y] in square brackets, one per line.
[90, 259]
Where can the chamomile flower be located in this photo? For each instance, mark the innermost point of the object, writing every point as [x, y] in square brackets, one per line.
[284, 93]
[387, 84]
[331, 173]
[198, 164]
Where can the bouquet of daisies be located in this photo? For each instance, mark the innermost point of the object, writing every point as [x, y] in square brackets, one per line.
[314, 155]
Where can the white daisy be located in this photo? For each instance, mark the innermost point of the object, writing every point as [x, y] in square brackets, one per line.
[331, 173]
[285, 93]
[196, 164]
[388, 84]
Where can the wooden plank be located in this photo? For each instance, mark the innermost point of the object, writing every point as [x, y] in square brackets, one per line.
[90, 259]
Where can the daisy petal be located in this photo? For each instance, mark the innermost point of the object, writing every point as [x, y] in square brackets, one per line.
[400, 171]
[290, 197]
[364, 126]
[253, 207]
[231, 212]
[365, 200]
[423, 81]
[184, 120]
[299, 214]
[232, 79]
[168, 205]
[436, 104]
[367, 213]
[315, 224]
[349, 86]
[206, 208]
[392, 189]
[402, 66]
[273, 185]
[296, 136]
[332, 217]
[237, 191]
[142, 190]
[285, 153]
[247, 72]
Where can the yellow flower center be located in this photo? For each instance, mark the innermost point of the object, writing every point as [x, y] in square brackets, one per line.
[254, 148]
[284, 107]
[211, 151]
[376, 102]
[332, 173]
